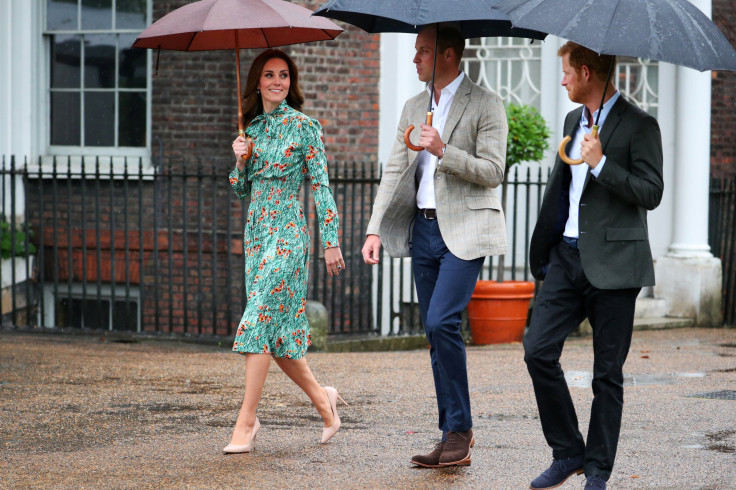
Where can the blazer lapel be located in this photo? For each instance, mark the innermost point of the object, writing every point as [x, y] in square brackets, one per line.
[457, 108]
[612, 120]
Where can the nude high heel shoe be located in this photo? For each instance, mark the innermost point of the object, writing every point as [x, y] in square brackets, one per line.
[332, 396]
[244, 448]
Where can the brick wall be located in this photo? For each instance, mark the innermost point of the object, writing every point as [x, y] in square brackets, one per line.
[194, 118]
[723, 112]
[194, 94]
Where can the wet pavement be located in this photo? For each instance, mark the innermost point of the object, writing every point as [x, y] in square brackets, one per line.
[88, 412]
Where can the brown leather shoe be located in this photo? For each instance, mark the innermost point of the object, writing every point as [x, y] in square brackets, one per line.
[431, 460]
[456, 451]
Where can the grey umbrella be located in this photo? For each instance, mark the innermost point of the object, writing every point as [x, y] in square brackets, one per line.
[474, 18]
[673, 31]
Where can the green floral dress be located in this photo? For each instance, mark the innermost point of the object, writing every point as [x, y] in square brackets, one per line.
[288, 145]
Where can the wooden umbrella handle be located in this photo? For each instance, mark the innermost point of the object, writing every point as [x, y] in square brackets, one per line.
[408, 131]
[241, 132]
[563, 144]
[245, 156]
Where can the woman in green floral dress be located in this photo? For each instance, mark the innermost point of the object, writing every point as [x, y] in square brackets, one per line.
[286, 145]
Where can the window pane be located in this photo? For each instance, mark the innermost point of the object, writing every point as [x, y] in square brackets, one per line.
[99, 119]
[65, 118]
[132, 68]
[131, 14]
[132, 125]
[125, 316]
[61, 15]
[99, 61]
[96, 14]
[65, 61]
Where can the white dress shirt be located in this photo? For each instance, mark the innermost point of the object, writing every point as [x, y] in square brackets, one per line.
[427, 163]
[579, 172]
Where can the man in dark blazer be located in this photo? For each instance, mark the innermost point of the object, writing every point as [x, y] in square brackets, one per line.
[590, 246]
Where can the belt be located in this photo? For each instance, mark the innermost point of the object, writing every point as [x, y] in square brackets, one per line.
[428, 213]
[573, 242]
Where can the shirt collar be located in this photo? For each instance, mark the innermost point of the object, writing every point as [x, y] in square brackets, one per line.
[604, 112]
[278, 111]
[451, 88]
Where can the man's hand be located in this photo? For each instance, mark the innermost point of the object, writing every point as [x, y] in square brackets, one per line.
[591, 151]
[371, 249]
[430, 140]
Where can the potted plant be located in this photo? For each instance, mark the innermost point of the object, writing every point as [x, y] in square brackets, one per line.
[16, 262]
[498, 310]
[14, 250]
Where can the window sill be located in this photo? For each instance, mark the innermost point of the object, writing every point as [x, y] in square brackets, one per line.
[92, 167]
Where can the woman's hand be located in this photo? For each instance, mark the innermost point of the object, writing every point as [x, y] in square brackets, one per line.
[333, 261]
[240, 148]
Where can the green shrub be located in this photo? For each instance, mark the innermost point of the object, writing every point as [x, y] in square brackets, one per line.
[528, 135]
[14, 244]
[526, 142]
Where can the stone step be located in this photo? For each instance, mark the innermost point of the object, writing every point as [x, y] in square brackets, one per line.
[650, 308]
[662, 323]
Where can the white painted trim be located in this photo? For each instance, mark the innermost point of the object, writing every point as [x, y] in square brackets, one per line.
[399, 82]
[76, 292]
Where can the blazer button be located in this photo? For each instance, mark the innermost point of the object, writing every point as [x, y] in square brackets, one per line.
[439, 177]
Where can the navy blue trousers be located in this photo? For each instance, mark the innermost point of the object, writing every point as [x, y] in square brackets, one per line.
[444, 286]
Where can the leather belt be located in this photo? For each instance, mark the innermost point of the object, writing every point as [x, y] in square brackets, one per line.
[573, 242]
[428, 213]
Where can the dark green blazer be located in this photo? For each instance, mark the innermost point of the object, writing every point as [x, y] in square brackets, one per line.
[614, 237]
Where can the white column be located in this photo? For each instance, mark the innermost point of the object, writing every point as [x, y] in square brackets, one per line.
[692, 164]
[688, 276]
[399, 82]
[18, 49]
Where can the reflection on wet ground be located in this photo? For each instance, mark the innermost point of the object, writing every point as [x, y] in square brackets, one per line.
[584, 379]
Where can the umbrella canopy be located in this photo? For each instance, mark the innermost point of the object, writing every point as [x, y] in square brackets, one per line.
[474, 18]
[233, 24]
[673, 31]
[213, 24]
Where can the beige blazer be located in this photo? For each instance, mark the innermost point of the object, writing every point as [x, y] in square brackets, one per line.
[469, 212]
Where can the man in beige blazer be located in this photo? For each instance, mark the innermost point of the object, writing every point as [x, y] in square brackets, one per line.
[440, 207]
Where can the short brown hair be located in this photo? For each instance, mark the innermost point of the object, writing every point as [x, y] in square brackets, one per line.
[252, 104]
[449, 37]
[580, 55]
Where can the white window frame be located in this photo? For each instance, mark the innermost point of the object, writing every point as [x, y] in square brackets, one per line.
[75, 159]
[77, 292]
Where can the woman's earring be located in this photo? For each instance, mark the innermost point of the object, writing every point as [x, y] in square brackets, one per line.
[258, 91]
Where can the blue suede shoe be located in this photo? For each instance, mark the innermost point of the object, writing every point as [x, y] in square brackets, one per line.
[595, 482]
[558, 472]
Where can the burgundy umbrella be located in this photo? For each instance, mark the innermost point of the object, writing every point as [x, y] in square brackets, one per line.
[233, 24]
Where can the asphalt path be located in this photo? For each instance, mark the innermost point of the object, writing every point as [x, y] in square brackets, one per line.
[90, 412]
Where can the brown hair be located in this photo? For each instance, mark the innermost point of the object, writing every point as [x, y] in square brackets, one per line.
[252, 104]
[449, 37]
[599, 64]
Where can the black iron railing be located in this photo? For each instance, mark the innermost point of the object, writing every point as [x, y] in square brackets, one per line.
[125, 245]
[722, 237]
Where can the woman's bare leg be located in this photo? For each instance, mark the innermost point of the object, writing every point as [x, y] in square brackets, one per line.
[299, 372]
[256, 370]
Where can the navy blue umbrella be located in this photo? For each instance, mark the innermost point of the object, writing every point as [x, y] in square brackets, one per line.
[474, 18]
[673, 31]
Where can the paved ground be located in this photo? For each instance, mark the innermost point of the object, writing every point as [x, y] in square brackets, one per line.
[85, 412]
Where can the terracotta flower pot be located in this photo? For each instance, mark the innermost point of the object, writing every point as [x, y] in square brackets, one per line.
[497, 311]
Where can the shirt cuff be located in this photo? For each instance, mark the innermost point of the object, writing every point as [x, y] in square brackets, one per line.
[597, 170]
